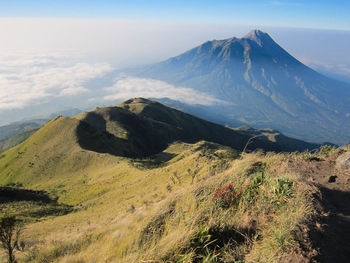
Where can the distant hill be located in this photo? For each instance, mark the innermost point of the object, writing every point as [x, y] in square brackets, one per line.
[68, 113]
[15, 128]
[265, 133]
[16, 132]
[262, 85]
[16, 139]
[140, 127]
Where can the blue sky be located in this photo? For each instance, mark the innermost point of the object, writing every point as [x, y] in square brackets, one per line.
[59, 53]
[320, 14]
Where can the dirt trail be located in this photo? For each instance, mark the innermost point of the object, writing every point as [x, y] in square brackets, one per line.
[331, 234]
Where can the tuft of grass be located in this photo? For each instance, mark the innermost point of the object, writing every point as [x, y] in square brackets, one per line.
[58, 250]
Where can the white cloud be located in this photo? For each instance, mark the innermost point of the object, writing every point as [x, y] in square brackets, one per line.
[131, 87]
[72, 91]
[34, 79]
[340, 69]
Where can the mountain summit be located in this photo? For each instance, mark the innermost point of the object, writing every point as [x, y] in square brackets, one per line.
[262, 85]
[258, 36]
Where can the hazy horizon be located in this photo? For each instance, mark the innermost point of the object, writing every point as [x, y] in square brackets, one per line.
[57, 56]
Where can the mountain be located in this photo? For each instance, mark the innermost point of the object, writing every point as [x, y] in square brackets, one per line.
[136, 128]
[261, 85]
[140, 181]
[137, 182]
[16, 139]
[15, 128]
[140, 127]
[16, 132]
[268, 134]
[68, 113]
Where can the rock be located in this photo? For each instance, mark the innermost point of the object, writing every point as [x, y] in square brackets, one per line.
[343, 161]
[332, 179]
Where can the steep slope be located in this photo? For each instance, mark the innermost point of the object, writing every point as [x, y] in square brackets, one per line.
[263, 85]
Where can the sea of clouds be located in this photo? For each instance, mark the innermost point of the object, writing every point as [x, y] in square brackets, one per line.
[31, 80]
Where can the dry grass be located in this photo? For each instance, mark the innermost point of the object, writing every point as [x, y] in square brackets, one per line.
[126, 213]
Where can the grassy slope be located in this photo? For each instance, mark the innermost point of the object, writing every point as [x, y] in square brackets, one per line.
[15, 128]
[123, 223]
[116, 199]
[116, 202]
[16, 139]
[196, 127]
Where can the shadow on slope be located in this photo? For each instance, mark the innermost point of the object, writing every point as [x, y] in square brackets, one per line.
[30, 205]
[140, 128]
[119, 132]
[10, 194]
[333, 240]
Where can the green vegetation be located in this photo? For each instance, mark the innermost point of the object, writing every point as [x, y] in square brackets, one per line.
[13, 129]
[84, 202]
[16, 139]
[10, 230]
[29, 205]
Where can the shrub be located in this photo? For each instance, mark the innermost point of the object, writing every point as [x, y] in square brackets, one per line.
[252, 190]
[226, 196]
[10, 230]
[327, 150]
[257, 167]
[283, 189]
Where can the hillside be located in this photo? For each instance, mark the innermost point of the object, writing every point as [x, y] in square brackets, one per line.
[16, 139]
[114, 209]
[261, 85]
[15, 128]
[135, 128]
[141, 127]
[83, 198]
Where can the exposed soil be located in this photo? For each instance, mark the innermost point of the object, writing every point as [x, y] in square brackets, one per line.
[327, 238]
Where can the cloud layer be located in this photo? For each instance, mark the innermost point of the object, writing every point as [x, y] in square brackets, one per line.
[339, 71]
[31, 79]
[130, 87]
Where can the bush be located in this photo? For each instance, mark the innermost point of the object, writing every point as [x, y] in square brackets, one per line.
[226, 196]
[10, 230]
[283, 189]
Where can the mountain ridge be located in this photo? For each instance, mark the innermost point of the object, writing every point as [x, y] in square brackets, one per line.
[144, 127]
[263, 84]
[83, 184]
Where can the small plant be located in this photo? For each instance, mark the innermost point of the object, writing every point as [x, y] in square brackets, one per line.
[283, 189]
[226, 196]
[253, 189]
[177, 177]
[132, 208]
[327, 150]
[10, 230]
[307, 156]
[202, 243]
[257, 167]
[192, 174]
[250, 140]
